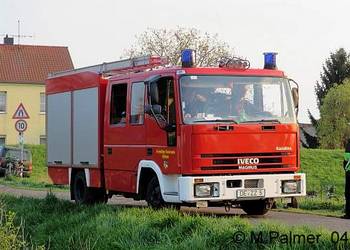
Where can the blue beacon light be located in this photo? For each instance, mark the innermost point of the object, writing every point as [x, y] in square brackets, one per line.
[270, 60]
[187, 58]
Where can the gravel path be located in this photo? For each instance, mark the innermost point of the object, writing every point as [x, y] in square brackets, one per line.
[317, 221]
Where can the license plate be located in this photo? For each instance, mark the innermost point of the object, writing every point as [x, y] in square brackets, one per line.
[250, 193]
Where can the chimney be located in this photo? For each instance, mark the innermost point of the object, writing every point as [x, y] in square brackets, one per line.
[8, 40]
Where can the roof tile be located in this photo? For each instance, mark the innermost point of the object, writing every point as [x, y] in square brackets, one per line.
[32, 63]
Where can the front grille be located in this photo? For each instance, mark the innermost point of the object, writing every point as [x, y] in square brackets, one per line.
[243, 154]
[238, 167]
[245, 161]
[235, 161]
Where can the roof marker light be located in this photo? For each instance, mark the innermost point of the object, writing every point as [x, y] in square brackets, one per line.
[187, 58]
[270, 60]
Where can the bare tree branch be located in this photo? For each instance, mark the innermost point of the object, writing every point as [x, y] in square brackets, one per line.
[169, 43]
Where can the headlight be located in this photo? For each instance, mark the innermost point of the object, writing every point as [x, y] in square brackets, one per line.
[290, 187]
[207, 190]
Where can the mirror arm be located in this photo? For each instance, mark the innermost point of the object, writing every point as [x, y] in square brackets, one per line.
[296, 108]
[291, 80]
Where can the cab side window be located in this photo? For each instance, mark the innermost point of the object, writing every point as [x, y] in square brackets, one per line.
[137, 103]
[167, 102]
[118, 104]
[167, 99]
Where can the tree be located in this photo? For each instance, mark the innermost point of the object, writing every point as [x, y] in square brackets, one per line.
[335, 70]
[334, 127]
[169, 43]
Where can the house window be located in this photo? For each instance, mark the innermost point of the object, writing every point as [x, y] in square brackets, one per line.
[42, 140]
[2, 101]
[137, 103]
[42, 102]
[2, 140]
[118, 104]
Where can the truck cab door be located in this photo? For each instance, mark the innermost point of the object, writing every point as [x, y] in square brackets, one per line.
[161, 128]
[125, 135]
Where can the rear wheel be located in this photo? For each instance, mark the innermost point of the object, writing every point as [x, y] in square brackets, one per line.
[154, 195]
[82, 194]
[2, 172]
[256, 207]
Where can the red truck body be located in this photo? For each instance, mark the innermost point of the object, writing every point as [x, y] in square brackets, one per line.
[122, 155]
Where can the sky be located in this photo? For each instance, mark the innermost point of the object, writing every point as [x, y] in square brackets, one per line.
[304, 33]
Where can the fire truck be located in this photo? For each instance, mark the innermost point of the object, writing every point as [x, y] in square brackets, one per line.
[175, 135]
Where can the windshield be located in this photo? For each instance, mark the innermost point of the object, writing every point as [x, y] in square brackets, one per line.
[206, 99]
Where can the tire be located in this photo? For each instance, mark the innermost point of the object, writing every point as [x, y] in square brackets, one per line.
[2, 172]
[154, 195]
[80, 190]
[256, 207]
[82, 194]
[99, 195]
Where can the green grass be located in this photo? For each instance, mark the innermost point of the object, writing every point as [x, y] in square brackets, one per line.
[323, 168]
[59, 224]
[320, 206]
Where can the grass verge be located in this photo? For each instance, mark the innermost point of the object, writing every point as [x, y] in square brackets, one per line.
[58, 224]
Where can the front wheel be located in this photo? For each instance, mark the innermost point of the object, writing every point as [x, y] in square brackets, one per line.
[256, 207]
[154, 195]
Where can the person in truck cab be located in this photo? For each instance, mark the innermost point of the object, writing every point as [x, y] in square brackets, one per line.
[195, 108]
[242, 107]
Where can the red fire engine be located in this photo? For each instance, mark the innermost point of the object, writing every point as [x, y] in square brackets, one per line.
[189, 136]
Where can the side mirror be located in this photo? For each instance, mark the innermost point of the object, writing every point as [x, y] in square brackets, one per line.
[154, 93]
[295, 94]
[152, 88]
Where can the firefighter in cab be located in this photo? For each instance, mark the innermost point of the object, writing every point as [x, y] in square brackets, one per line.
[346, 165]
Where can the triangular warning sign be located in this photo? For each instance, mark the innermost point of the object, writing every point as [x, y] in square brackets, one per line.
[20, 113]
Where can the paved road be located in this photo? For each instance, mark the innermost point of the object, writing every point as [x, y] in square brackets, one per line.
[330, 223]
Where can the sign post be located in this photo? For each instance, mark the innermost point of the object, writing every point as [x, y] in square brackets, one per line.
[21, 125]
[21, 143]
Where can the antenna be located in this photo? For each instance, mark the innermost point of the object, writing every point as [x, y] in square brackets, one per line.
[18, 35]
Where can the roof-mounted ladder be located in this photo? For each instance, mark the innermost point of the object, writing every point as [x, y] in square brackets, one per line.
[136, 64]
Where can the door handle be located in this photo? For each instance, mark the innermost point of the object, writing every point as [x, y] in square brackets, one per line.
[109, 151]
[149, 151]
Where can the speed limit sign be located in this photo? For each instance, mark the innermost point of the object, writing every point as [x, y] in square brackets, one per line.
[21, 125]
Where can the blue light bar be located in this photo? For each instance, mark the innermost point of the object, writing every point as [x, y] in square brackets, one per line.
[270, 60]
[187, 58]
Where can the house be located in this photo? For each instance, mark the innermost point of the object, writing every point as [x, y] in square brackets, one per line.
[309, 129]
[23, 70]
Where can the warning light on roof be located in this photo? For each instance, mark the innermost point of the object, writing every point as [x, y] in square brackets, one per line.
[270, 60]
[187, 58]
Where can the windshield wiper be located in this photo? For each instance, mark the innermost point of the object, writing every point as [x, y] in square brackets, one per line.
[218, 120]
[262, 120]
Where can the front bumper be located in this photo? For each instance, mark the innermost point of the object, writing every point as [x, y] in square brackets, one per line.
[270, 183]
